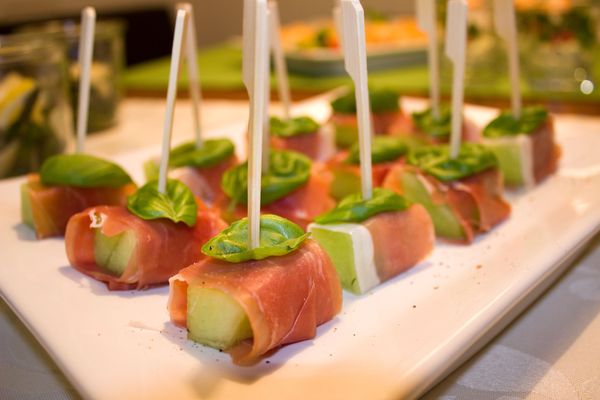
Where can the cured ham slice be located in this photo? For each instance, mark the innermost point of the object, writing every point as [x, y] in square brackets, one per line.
[318, 146]
[406, 127]
[205, 182]
[382, 122]
[300, 206]
[48, 208]
[460, 208]
[546, 152]
[525, 158]
[285, 298]
[378, 249]
[401, 239]
[161, 247]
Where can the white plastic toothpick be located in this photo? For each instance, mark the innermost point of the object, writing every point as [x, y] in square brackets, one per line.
[456, 42]
[255, 66]
[171, 96]
[504, 18]
[355, 59]
[192, 63]
[280, 64]
[86, 50]
[426, 18]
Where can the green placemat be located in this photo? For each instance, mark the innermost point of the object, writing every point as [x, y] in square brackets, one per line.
[221, 70]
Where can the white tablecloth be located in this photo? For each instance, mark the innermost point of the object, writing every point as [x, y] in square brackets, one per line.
[552, 351]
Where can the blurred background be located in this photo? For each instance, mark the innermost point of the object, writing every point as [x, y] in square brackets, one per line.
[558, 40]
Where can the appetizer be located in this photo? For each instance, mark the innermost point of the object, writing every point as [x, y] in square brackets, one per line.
[385, 112]
[145, 243]
[371, 241]
[436, 130]
[525, 147]
[199, 168]
[462, 195]
[250, 301]
[345, 166]
[293, 187]
[304, 135]
[67, 185]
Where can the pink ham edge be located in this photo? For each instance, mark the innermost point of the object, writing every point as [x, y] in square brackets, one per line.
[479, 195]
[205, 183]
[285, 298]
[401, 239]
[163, 247]
[52, 206]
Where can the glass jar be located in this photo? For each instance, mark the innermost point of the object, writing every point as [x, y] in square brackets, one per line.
[35, 115]
[107, 65]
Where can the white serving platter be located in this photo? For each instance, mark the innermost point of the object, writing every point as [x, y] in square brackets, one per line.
[394, 342]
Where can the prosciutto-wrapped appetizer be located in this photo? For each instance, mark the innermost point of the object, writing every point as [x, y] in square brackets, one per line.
[251, 301]
[371, 241]
[426, 128]
[294, 188]
[68, 184]
[303, 135]
[143, 244]
[464, 196]
[200, 169]
[525, 147]
[385, 112]
[386, 151]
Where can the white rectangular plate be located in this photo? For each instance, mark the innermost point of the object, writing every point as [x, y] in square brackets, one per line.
[394, 342]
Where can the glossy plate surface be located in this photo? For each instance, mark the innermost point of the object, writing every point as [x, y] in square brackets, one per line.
[395, 341]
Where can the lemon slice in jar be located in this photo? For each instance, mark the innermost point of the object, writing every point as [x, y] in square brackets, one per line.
[15, 89]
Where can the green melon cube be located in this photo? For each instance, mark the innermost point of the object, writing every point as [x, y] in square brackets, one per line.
[112, 253]
[26, 212]
[344, 184]
[515, 158]
[350, 247]
[445, 221]
[345, 135]
[215, 319]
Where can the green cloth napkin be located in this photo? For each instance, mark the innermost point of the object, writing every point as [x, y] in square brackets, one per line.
[221, 70]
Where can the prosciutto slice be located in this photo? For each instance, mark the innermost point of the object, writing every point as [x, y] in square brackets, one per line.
[285, 298]
[401, 239]
[406, 127]
[318, 146]
[163, 247]
[477, 200]
[383, 123]
[546, 152]
[205, 182]
[379, 170]
[300, 206]
[52, 206]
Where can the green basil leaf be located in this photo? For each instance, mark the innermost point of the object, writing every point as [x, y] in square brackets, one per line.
[82, 170]
[177, 203]
[507, 125]
[436, 161]
[292, 127]
[439, 127]
[213, 151]
[288, 170]
[382, 100]
[354, 209]
[383, 148]
[278, 236]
